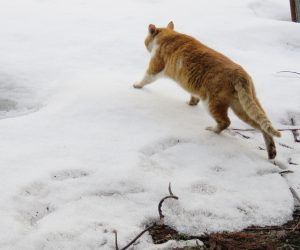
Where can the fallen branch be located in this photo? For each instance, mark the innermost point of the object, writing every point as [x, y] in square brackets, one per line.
[161, 221]
[252, 129]
[262, 228]
[294, 131]
[134, 240]
[171, 196]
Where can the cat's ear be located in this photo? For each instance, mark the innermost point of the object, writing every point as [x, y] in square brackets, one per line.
[170, 25]
[152, 29]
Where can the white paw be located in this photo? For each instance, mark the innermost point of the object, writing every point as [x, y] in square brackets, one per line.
[192, 103]
[137, 86]
[209, 128]
[213, 129]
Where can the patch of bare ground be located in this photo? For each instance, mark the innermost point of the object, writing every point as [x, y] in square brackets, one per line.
[285, 237]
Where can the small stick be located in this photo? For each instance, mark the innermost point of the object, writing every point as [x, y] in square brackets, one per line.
[291, 162]
[286, 172]
[244, 136]
[296, 196]
[294, 229]
[295, 132]
[138, 236]
[171, 196]
[170, 190]
[285, 146]
[116, 239]
[252, 129]
[287, 71]
[161, 216]
[243, 129]
[262, 228]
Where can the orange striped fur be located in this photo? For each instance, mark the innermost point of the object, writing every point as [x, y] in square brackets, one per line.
[207, 75]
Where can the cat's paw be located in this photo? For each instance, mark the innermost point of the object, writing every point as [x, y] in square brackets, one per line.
[193, 101]
[213, 129]
[137, 85]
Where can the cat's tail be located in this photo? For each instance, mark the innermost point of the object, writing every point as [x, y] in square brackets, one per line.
[252, 108]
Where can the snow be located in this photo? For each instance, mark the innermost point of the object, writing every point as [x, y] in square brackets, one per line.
[84, 153]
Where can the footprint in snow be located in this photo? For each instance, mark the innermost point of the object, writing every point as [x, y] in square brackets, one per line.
[32, 204]
[203, 187]
[161, 146]
[34, 201]
[69, 174]
[150, 154]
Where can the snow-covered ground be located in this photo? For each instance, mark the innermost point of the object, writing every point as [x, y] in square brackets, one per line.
[83, 153]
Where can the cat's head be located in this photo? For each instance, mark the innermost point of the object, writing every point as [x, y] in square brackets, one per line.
[154, 32]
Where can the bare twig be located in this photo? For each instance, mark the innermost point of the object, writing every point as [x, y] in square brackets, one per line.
[137, 237]
[244, 136]
[295, 132]
[287, 71]
[171, 196]
[296, 196]
[286, 172]
[295, 228]
[285, 146]
[243, 129]
[291, 162]
[268, 228]
[170, 190]
[262, 228]
[252, 129]
[116, 239]
[161, 217]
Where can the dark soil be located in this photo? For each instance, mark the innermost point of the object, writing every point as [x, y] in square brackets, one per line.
[285, 237]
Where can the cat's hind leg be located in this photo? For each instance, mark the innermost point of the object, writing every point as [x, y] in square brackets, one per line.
[219, 111]
[193, 101]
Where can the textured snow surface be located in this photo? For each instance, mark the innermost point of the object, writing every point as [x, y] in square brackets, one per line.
[83, 153]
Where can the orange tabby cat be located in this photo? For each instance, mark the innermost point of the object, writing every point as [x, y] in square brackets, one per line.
[208, 75]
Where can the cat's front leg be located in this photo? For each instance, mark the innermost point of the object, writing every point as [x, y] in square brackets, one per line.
[147, 79]
[154, 71]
